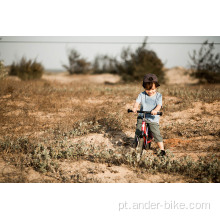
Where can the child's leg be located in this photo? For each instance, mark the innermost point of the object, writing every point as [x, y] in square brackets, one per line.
[155, 129]
[160, 145]
[138, 129]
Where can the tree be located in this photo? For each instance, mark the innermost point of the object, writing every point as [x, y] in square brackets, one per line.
[136, 64]
[104, 64]
[205, 64]
[77, 64]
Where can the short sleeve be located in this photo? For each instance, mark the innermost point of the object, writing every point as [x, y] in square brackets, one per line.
[159, 99]
[139, 98]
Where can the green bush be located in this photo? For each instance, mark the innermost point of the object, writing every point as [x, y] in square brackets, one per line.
[205, 64]
[104, 64]
[77, 64]
[26, 69]
[136, 64]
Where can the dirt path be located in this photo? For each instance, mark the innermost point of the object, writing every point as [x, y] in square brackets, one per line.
[65, 78]
[177, 75]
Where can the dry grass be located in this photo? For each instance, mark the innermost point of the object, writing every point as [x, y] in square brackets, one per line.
[43, 124]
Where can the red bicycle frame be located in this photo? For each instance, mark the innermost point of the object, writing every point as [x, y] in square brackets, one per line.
[145, 133]
[147, 136]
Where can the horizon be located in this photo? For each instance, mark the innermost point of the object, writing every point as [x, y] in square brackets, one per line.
[52, 51]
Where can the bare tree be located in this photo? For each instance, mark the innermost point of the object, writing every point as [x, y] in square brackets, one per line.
[77, 64]
[205, 64]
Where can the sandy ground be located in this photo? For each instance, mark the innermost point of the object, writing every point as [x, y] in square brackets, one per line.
[103, 172]
[64, 77]
[175, 75]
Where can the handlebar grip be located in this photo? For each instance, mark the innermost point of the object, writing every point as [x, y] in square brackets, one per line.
[147, 112]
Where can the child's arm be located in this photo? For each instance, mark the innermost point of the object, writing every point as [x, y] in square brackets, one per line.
[135, 107]
[159, 105]
[157, 109]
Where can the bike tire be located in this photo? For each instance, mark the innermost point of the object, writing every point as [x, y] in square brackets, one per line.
[148, 146]
[139, 148]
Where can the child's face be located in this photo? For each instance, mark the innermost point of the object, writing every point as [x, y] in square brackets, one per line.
[152, 91]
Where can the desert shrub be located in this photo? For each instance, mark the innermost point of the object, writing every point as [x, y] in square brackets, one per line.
[3, 71]
[104, 64]
[27, 69]
[45, 158]
[77, 64]
[205, 64]
[14, 69]
[135, 65]
[80, 128]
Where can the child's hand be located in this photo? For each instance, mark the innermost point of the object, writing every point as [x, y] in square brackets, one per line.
[153, 112]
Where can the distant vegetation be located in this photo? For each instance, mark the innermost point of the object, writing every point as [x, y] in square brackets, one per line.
[3, 70]
[136, 64]
[77, 64]
[104, 64]
[205, 64]
[27, 69]
[132, 66]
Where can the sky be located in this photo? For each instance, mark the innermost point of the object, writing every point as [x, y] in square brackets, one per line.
[53, 51]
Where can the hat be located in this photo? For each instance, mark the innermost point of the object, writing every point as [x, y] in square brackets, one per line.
[150, 77]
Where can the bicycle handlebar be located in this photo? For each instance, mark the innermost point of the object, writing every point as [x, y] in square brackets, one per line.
[146, 112]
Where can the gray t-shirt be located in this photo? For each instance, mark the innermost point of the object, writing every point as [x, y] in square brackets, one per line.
[149, 103]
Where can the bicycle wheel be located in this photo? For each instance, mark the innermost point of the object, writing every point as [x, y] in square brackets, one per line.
[148, 146]
[139, 149]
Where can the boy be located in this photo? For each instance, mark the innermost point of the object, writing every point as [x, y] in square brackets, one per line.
[150, 100]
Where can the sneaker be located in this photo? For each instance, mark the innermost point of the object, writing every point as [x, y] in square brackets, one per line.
[162, 153]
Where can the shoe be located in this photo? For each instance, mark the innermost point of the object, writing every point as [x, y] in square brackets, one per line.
[162, 153]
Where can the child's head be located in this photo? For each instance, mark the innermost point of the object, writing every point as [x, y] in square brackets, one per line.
[150, 83]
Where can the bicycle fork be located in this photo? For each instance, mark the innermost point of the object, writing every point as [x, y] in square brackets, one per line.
[144, 130]
[145, 133]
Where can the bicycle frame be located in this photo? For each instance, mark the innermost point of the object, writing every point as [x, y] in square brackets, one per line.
[145, 132]
[146, 137]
